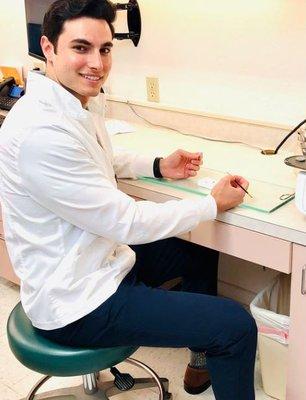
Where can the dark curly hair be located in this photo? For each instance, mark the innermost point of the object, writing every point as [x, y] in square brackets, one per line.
[64, 10]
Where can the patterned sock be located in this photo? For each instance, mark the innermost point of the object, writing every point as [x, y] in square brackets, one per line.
[197, 359]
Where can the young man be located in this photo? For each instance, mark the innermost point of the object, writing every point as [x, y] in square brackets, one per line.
[89, 257]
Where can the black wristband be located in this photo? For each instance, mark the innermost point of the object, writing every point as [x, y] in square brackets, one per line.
[156, 167]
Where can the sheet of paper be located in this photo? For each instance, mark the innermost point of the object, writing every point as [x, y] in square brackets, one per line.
[207, 182]
[115, 126]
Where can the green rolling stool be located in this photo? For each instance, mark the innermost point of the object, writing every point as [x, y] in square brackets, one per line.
[52, 359]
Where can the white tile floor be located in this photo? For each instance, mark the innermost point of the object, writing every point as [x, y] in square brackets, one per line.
[16, 380]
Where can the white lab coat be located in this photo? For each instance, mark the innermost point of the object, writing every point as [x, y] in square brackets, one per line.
[67, 226]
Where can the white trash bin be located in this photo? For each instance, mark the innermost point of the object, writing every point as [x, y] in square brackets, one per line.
[270, 308]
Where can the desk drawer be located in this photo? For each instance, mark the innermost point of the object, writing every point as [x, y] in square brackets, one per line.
[242, 243]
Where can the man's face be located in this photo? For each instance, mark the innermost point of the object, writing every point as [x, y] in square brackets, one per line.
[82, 59]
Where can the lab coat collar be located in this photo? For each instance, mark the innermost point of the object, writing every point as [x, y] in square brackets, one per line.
[51, 93]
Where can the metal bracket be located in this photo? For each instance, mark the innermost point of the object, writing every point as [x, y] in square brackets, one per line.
[133, 19]
[127, 6]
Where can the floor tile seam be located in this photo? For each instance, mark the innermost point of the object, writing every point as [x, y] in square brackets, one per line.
[4, 383]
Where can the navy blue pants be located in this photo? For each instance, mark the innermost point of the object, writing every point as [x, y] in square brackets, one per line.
[142, 314]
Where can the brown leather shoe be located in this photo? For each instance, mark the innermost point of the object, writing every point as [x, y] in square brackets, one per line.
[196, 380]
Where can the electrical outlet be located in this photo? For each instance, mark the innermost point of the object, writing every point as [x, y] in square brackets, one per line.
[152, 89]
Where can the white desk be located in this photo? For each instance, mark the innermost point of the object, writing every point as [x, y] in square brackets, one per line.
[276, 240]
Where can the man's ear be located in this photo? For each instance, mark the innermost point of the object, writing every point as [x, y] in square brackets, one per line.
[47, 48]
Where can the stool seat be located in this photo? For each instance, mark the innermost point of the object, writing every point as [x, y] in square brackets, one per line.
[49, 358]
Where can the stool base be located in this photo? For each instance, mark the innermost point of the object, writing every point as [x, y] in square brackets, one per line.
[102, 390]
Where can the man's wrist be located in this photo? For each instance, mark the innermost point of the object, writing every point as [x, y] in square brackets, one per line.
[156, 167]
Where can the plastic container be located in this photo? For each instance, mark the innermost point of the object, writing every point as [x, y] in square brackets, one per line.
[270, 308]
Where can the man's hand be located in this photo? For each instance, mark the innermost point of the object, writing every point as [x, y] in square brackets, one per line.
[181, 164]
[227, 193]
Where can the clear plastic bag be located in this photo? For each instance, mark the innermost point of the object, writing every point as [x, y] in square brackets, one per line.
[300, 194]
[271, 309]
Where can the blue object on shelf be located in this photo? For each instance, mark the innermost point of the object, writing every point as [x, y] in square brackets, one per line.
[16, 91]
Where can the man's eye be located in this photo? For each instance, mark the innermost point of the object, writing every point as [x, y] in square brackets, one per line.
[106, 50]
[80, 48]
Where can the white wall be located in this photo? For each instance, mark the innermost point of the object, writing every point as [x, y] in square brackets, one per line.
[13, 34]
[240, 58]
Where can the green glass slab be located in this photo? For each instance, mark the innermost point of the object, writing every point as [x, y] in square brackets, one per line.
[266, 197]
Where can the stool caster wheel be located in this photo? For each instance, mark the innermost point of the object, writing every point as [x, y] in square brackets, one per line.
[168, 396]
